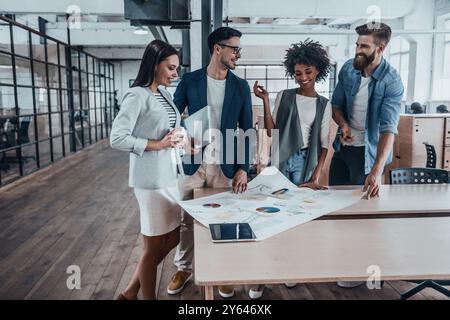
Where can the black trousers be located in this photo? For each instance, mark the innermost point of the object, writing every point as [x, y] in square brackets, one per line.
[347, 167]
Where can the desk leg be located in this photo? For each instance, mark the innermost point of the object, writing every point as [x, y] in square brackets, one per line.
[209, 293]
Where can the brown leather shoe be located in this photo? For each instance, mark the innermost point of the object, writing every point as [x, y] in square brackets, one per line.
[178, 282]
[226, 291]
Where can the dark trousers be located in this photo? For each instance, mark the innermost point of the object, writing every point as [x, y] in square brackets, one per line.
[347, 167]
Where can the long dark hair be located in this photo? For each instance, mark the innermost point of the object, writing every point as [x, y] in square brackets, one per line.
[155, 52]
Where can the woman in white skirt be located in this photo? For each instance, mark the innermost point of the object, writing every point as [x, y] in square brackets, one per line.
[148, 127]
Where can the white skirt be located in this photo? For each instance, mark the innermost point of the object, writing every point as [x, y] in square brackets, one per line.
[159, 211]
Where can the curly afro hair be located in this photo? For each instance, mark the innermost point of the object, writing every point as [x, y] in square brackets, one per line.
[309, 53]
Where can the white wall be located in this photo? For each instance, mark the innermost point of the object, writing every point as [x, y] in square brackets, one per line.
[421, 18]
[124, 72]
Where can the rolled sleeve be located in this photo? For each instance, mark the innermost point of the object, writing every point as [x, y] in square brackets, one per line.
[390, 108]
[121, 137]
[139, 146]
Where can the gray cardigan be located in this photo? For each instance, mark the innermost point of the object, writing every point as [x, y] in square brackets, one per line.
[290, 133]
[142, 118]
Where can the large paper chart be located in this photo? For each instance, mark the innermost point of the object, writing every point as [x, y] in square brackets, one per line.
[267, 211]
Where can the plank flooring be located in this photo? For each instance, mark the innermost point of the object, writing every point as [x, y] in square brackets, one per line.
[80, 211]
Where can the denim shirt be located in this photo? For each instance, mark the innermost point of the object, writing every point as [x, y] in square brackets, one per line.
[383, 111]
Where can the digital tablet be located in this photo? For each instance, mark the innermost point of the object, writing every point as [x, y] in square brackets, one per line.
[230, 232]
[198, 126]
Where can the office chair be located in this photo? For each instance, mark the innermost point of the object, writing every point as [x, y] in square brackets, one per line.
[421, 176]
[417, 108]
[23, 134]
[431, 155]
[418, 176]
[442, 109]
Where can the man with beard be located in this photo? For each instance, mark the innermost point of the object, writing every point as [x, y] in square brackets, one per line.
[231, 106]
[366, 107]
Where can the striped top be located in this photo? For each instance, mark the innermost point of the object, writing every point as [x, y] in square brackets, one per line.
[170, 111]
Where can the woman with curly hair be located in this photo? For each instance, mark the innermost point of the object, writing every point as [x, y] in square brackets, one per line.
[301, 115]
[303, 119]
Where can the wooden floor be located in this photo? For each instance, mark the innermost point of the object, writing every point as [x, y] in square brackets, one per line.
[81, 212]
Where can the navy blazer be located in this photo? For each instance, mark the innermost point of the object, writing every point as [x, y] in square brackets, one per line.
[191, 92]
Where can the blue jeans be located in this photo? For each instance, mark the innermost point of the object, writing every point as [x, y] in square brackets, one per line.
[296, 165]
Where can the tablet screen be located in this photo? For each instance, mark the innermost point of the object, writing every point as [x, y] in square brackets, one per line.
[224, 232]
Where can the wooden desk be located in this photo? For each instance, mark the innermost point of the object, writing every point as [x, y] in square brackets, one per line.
[395, 201]
[342, 245]
[329, 250]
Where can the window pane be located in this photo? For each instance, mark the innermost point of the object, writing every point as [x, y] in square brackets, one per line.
[76, 99]
[82, 61]
[25, 100]
[83, 80]
[75, 80]
[6, 74]
[26, 130]
[7, 103]
[53, 76]
[91, 82]
[54, 100]
[23, 71]
[63, 77]
[57, 148]
[62, 54]
[257, 72]
[52, 51]
[44, 152]
[56, 124]
[29, 156]
[41, 100]
[276, 85]
[21, 41]
[67, 144]
[74, 57]
[240, 72]
[90, 67]
[38, 47]
[276, 72]
[64, 98]
[5, 37]
[256, 101]
[40, 76]
[66, 119]
[43, 127]
[9, 136]
[292, 84]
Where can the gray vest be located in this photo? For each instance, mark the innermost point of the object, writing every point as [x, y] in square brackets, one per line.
[290, 133]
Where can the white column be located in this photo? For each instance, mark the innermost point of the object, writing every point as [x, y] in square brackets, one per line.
[196, 35]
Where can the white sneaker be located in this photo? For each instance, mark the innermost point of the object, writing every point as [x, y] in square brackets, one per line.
[290, 285]
[256, 292]
[349, 284]
[226, 291]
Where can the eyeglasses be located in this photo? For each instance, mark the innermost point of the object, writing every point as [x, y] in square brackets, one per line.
[236, 50]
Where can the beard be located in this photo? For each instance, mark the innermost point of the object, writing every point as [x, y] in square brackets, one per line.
[228, 65]
[362, 61]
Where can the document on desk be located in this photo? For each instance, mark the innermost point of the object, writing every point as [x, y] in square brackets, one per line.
[271, 205]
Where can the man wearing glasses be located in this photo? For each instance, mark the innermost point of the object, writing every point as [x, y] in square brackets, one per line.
[231, 107]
